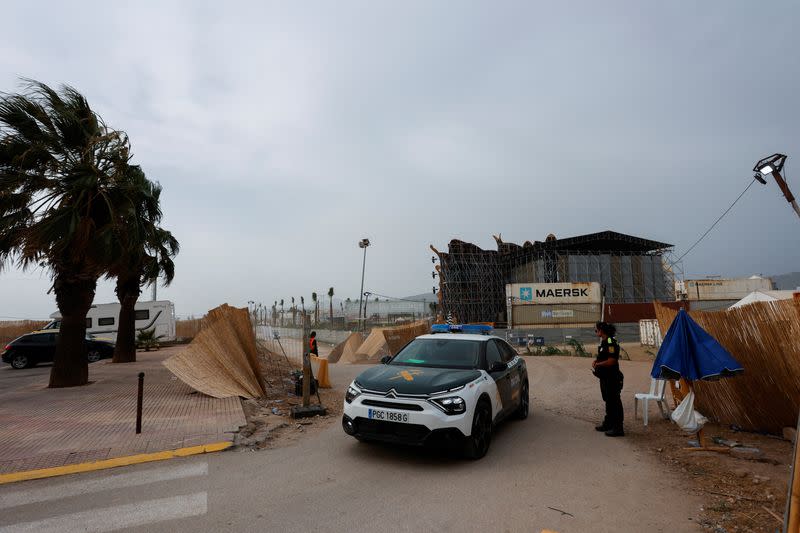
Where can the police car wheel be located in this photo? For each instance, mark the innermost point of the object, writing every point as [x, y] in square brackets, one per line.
[478, 442]
[524, 403]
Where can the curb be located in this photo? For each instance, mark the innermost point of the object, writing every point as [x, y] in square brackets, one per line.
[112, 463]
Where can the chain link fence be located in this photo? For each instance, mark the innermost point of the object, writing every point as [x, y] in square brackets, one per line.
[574, 341]
[281, 350]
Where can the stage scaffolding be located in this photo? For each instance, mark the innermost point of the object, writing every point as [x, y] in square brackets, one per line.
[630, 270]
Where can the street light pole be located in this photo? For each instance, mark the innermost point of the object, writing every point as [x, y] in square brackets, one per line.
[363, 243]
[773, 165]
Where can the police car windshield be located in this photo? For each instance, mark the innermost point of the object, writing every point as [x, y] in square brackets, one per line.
[440, 353]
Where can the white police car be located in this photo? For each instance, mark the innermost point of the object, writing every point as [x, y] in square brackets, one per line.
[453, 385]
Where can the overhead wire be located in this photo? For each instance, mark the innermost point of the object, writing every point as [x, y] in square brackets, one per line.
[703, 236]
[395, 298]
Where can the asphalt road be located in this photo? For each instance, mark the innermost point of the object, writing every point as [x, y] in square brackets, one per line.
[536, 469]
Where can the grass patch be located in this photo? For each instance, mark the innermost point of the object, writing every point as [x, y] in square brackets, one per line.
[577, 345]
[545, 350]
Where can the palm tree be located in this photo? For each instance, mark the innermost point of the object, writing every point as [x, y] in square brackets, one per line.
[148, 339]
[294, 312]
[282, 312]
[316, 308]
[330, 303]
[275, 313]
[147, 252]
[60, 191]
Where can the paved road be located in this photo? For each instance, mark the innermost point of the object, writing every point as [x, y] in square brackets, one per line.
[333, 483]
[43, 428]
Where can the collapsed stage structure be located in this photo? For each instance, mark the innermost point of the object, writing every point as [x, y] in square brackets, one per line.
[630, 270]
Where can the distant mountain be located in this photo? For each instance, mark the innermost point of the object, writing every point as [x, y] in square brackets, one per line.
[424, 297]
[787, 282]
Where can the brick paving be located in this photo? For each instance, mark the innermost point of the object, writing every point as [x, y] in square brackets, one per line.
[42, 428]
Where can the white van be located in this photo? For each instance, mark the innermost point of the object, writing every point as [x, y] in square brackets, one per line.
[102, 320]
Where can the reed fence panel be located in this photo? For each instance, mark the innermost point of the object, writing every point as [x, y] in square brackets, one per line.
[11, 329]
[765, 338]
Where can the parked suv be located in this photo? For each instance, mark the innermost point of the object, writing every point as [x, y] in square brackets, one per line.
[40, 347]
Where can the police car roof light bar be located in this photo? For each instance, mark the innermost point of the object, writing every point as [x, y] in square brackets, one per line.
[475, 329]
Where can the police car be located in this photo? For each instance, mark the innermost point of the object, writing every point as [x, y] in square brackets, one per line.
[453, 385]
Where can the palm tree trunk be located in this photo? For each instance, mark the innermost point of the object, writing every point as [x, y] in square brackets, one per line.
[128, 293]
[331, 311]
[70, 366]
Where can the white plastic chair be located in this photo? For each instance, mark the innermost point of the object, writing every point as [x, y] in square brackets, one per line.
[657, 394]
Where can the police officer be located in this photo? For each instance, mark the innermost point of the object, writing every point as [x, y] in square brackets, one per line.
[606, 368]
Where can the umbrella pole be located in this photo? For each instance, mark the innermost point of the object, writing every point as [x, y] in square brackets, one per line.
[701, 438]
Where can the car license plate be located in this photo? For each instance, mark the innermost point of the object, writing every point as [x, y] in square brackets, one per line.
[388, 416]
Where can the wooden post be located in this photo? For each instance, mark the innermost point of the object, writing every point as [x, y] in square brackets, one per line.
[306, 367]
[792, 520]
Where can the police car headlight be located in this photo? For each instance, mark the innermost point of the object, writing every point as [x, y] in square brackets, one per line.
[352, 393]
[452, 405]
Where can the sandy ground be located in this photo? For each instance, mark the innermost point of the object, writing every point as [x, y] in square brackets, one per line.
[737, 494]
[269, 419]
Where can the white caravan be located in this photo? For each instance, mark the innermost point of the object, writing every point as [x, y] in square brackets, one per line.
[102, 320]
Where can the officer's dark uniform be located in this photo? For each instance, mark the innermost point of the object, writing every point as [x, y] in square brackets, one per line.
[610, 384]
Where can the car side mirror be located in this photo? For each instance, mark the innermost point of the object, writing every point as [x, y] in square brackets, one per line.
[498, 366]
[385, 359]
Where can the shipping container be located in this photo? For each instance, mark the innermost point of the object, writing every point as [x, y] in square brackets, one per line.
[725, 289]
[547, 305]
[554, 293]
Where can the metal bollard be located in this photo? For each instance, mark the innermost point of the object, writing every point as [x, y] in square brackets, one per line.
[139, 404]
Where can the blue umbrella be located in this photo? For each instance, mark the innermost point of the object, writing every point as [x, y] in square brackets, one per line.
[689, 352]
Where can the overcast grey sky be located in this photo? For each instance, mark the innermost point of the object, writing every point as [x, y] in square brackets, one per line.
[283, 133]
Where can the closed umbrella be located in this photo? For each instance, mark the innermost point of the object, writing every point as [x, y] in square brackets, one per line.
[689, 352]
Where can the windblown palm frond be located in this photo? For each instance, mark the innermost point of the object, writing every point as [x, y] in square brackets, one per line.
[147, 249]
[62, 195]
[59, 169]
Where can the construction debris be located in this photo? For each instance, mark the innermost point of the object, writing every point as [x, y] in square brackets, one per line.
[222, 360]
[752, 454]
[726, 442]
